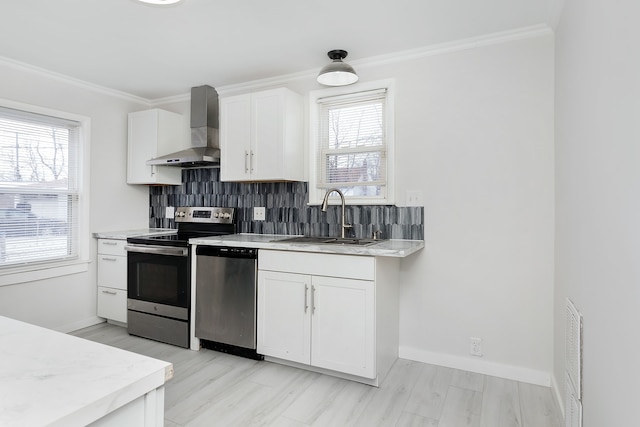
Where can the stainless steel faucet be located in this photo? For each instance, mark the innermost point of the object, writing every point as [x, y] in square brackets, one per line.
[343, 224]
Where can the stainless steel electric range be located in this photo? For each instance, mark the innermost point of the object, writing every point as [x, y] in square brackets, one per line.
[159, 274]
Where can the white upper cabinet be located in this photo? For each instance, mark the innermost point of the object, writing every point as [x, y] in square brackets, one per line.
[261, 136]
[153, 133]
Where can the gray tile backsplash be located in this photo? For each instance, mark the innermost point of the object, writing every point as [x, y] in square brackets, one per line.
[286, 208]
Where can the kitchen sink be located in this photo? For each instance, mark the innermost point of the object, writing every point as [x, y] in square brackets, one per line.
[329, 241]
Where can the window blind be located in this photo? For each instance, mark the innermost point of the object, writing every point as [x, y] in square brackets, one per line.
[39, 194]
[352, 145]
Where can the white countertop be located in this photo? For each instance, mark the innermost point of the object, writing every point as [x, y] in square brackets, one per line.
[386, 248]
[124, 234]
[51, 378]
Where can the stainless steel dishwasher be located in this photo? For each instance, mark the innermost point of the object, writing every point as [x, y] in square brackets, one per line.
[226, 290]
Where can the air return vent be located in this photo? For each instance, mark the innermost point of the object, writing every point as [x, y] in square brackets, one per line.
[573, 407]
[573, 366]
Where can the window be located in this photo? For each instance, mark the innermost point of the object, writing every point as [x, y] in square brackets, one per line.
[352, 143]
[39, 188]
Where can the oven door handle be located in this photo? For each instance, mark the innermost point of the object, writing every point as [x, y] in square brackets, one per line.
[158, 250]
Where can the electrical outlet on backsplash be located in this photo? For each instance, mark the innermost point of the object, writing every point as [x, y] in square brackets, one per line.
[286, 210]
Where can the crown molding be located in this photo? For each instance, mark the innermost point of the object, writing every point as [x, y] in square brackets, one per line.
[401, 56]
[22, 66]
[396, 57]
[170, 99]
[457, 45]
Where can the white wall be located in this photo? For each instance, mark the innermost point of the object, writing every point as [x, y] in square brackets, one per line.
[69, 302]
[598, 203]
[475, 135]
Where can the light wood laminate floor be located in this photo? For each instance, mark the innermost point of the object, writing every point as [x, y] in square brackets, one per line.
[217, 389]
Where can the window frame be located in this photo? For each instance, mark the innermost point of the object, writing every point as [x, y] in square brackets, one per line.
[41, 270]
[316, 193]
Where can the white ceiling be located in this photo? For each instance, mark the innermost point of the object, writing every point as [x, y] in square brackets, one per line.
[155, 52]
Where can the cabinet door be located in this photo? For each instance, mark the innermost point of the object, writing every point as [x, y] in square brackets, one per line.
[112, 247]
[143, 131]
[112, 271]
[235, 138]
[112, 304]
[284, 315]
[343, 328]
[268, 138]
[150, 134]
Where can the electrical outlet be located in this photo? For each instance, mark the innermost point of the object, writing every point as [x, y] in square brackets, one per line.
[169, 212]
[475, 346]
[414, 198]
[259, 214]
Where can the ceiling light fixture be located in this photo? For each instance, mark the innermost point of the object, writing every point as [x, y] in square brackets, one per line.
[337, 73]
[160, 2]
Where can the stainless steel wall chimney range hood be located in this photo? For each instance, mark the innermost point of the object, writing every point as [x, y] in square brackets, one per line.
[205, 142]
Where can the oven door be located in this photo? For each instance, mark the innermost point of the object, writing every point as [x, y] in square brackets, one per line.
[159, 280]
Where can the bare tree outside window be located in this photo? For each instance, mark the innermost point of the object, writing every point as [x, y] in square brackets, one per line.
[354, 155]
[352, 143]
[36, 201]
[33, 153]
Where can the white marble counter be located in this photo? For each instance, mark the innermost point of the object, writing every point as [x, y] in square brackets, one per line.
[385, 248]
[51, 378]
[124, 234]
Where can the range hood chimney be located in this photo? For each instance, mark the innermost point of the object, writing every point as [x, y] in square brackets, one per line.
[205, 142]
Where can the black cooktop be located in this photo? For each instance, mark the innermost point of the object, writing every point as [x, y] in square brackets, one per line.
[193, 222]
[180, 239]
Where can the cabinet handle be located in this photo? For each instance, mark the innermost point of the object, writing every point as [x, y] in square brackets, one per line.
[110, 243]
[251, 160]
[246, 161]
[306, 291]
[109, 292]
[109, 259]
[313, 299]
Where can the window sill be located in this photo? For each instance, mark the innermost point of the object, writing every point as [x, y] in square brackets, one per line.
[17, 275]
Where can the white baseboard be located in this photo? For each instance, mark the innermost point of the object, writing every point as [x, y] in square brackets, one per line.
[477, 365]
[85, 323]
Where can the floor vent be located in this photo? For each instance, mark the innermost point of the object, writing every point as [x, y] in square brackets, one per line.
[573, 366]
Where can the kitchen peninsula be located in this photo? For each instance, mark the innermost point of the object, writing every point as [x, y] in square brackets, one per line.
[53, 379]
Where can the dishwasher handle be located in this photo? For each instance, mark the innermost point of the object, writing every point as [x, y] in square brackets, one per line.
[227, 252]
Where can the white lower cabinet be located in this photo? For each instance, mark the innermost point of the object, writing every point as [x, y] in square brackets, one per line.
[342, 328]
[112, 304]
[310, 316]
[284, 316]
[112, 280]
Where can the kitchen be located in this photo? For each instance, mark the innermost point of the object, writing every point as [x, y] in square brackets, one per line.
[513, 169]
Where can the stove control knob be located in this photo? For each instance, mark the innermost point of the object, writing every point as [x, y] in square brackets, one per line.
[227, 215]
[180, 214]
[215, 214]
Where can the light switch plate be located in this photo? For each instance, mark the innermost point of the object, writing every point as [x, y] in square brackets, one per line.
[259, 214]
[169, 212]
